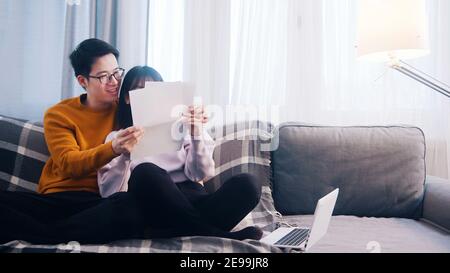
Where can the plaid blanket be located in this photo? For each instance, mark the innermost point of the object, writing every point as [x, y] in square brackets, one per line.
[192, 244]
[23, 153]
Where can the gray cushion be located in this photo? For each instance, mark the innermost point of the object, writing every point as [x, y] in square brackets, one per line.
[380, 170]
[371, 235]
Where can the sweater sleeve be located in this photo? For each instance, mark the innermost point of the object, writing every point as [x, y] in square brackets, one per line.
[199, 157]
[65, 151]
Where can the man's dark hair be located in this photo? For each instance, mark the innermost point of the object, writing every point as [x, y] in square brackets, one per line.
[87, 52]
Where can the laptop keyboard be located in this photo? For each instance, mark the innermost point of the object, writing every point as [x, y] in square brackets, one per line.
[294, 238]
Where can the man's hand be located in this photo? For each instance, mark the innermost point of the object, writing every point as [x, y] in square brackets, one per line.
[195, 119]
[126, 139]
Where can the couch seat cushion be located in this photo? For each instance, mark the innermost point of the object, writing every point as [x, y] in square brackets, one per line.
[368, 234]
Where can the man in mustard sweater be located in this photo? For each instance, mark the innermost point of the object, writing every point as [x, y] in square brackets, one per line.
[68, 206]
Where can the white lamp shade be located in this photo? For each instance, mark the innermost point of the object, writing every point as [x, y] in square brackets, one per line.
[392, 29]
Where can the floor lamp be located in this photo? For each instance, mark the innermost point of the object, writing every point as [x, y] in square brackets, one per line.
[392, 31]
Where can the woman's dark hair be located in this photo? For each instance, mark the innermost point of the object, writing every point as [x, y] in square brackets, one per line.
[87, 52]
[132, 81]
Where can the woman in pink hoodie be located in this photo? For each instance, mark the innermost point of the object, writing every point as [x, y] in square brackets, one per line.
[173, 201]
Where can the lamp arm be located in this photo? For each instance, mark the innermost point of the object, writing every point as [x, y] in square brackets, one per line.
[422, 78]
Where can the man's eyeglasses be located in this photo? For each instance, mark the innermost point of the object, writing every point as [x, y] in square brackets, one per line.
[106, 77]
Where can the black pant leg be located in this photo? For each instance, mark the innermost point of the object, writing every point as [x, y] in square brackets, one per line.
[164, 206]
[114, 218]
[68, 216]
[16, 225]
[194, 191]
[237, 197]
[27, 216]
[49, 207]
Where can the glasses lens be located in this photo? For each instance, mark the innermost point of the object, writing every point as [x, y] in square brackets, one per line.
[118, 74]
[103, 79]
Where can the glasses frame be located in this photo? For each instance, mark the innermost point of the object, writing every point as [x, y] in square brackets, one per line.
[109, 76]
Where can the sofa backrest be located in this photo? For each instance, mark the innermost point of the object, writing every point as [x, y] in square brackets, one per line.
[380, 170]
[23, 153]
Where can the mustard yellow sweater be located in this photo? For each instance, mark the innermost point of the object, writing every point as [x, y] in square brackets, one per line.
[75, 135]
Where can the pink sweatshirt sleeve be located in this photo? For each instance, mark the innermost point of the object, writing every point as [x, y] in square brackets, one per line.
[199, 163]
[113, 177]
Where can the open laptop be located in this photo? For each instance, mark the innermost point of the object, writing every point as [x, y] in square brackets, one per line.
[304, 238]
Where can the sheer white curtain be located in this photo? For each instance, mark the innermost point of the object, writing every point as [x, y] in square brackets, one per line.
[207, 48]
[31, 54]
[165, 38]
[300, 55]
[189, 40]
[367, 93]
[258, 56]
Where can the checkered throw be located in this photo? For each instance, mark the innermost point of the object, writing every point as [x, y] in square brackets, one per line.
[23, 153]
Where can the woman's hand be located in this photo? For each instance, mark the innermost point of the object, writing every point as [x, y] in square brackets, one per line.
[126, 139]
[195, 119]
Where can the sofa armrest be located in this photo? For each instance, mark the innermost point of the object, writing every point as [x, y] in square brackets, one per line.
[436, 204]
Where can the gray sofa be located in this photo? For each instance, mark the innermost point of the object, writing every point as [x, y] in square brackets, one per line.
[386, 202]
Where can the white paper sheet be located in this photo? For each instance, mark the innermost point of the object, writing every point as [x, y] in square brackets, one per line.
[158, 108]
